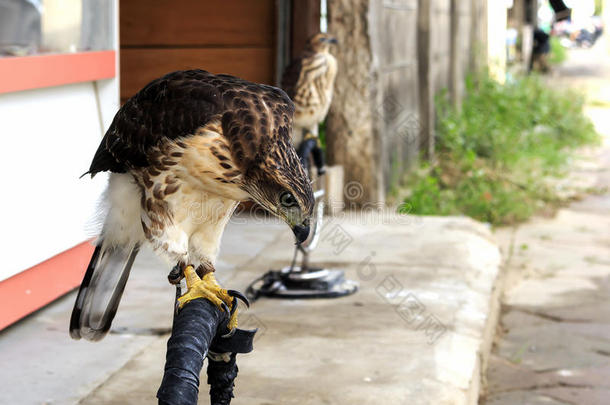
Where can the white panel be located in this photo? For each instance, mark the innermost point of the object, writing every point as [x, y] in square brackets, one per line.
[108, 99]
[496, 39]
[49, 137]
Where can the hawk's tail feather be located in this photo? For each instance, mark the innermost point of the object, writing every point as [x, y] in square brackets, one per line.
[100, 292]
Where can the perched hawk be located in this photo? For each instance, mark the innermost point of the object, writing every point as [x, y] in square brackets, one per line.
[309, 81]
[182, 153]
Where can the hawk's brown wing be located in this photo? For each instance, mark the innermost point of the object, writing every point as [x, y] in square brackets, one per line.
[254, 116]
[301, 73]
[291, 75]
[172, 106]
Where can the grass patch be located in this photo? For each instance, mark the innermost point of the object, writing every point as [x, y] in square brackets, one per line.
[558, 53]
[496, 154]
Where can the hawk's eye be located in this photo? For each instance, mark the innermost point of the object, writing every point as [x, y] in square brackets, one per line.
[287, 200]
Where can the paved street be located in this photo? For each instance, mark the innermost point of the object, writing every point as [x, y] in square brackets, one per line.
[553, 344]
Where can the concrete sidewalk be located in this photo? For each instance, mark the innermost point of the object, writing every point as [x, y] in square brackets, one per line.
[416, 332]
[554, 341]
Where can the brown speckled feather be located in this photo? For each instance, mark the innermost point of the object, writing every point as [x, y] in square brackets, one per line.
[309, 82]
[291, 75]
[255, 119]
[183, 151]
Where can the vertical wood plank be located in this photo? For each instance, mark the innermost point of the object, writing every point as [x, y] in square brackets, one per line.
[425, 74]
[305, 23]
[454, 54]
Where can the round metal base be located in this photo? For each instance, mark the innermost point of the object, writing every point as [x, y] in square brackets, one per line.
[294, 283]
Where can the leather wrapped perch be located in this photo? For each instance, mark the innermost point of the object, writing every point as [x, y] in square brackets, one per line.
[197, 332]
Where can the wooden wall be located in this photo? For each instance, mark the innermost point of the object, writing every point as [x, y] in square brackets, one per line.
[305, 23]
[440, 43]
[231, 36]
[397, 103]
[395, 57]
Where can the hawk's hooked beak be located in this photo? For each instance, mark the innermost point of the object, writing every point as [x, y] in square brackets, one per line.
[332, 40]
[301, 232]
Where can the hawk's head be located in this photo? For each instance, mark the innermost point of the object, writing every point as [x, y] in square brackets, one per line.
[258, 126]
[280, 185]
[320, 43]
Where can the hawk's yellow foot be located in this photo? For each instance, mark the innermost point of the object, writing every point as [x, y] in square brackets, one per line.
[208, 288]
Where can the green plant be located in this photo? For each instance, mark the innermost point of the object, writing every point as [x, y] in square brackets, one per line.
[496, 154]
[322, 134]
[558, 52]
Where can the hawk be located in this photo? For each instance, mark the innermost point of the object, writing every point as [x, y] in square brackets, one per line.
[181, 154]
[309, 81]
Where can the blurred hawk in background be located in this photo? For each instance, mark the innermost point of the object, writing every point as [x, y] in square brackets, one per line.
[182, 153]
[309, 81]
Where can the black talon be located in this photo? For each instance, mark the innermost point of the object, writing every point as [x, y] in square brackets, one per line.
[177, 303]
[233, 307]
[239, 295]
[225, 308]
[175, 275]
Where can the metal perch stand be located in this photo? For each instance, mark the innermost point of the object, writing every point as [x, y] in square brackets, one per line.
[199, 330]
[304, 281]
